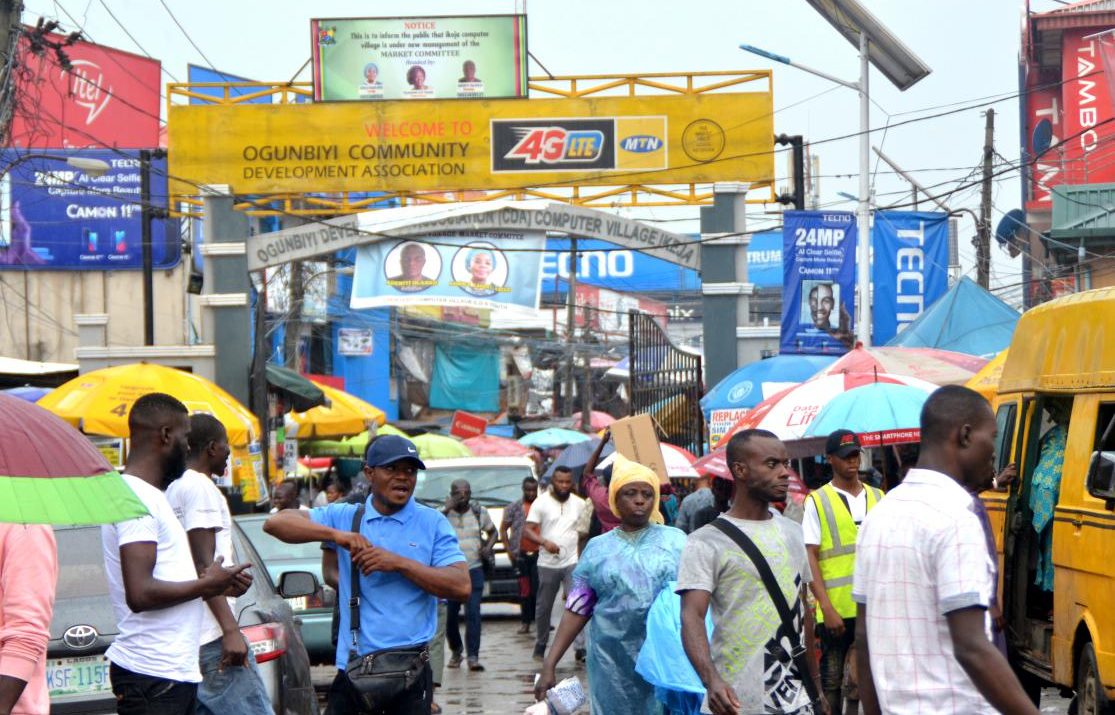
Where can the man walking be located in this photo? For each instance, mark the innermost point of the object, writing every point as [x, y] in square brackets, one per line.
[523, 551]
[28, 575]
[750, 565]
[928, 649]
[230, 680]
[155, 590]
[552, 525]
[833, 514]
[700, 498]
[406, 557]
[476, 535]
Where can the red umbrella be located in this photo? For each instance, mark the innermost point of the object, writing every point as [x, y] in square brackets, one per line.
[51, 474]
[598, 420]
[714, 463]
[941, 367]
[487, 445]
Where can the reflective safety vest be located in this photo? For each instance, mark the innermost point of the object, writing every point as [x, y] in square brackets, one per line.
[837, 552]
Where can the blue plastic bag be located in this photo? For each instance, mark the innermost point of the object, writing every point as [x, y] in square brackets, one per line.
[662, 661]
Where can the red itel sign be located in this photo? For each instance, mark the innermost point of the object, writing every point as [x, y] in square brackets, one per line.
[1089, 133]
[108, 98]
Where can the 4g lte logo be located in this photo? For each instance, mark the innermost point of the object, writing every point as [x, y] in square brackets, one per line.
[554, 145]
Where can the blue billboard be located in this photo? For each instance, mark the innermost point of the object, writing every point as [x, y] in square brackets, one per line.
[607, 265]
[764, 259]
[910, 268]
[56, 217]
[818, 298]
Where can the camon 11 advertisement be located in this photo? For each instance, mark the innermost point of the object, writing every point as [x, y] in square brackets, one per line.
[818, 264]
[481, 56]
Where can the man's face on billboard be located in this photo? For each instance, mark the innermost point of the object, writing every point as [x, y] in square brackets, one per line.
[413, 261]
[821, 304]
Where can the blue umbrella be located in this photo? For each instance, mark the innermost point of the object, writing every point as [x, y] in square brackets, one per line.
[553, 437]
[882, 413]
[743, 388]
[29, 393]
[575, 456]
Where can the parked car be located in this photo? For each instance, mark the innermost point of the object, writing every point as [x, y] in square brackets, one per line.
[313, 611]
[83, 627]
[496, 482]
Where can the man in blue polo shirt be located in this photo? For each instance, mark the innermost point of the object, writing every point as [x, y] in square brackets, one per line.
[408, 558]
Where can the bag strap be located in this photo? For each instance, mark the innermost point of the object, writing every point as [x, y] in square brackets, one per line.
[799, 654]
[354, 585]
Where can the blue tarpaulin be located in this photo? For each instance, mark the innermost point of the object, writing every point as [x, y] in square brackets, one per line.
[466, 377]
[967, 319]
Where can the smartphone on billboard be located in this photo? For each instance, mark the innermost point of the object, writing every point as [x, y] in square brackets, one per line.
[120, 241]
[89, 240]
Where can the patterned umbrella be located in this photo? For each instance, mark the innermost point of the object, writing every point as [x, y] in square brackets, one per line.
[51, 474]
[941, 367]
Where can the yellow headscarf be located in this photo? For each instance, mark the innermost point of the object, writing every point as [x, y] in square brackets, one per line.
[624, 472]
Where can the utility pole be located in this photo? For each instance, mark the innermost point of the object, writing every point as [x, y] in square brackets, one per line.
[148, 213]
[570, 329]
[983, 242]
[292, 334]
[11, 12]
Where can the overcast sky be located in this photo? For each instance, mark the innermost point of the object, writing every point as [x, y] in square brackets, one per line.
[971, 46]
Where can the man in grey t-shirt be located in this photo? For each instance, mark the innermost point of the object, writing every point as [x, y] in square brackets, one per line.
[749, 669]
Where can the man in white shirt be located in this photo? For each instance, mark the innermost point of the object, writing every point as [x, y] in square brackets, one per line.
[155, 591]
[924, 577]
[552, 524]
[230, 683]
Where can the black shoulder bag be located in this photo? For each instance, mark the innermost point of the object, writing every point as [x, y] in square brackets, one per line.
[798, 654]
[379, 678]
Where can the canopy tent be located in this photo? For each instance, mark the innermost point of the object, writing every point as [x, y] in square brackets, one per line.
[300, 392]
[966, 319]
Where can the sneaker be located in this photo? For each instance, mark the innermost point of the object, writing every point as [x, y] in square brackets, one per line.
[455, 660]
[539, 652]
[580, 654]
[474, 665]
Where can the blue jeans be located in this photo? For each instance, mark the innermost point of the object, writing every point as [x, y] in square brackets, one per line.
[230, 690]
[472, 617]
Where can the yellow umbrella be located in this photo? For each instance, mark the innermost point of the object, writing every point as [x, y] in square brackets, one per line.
[986, 381]
[344, 415]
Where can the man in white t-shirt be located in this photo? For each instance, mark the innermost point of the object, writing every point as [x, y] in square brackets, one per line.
[230, 683]
[552, 524]
[155, 591]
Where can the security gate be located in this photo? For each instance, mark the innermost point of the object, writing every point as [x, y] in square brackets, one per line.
[665, 382]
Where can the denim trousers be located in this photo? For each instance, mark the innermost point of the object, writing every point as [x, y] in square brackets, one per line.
[230, 690]
[472, 617]
[138, 694]
[834, 653]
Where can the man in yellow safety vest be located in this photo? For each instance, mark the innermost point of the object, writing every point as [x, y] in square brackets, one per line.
[832, 517]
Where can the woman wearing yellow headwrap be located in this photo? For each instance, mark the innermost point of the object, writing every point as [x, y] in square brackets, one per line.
[615, 582]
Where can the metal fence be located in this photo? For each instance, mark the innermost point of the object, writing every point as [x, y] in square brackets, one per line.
[665, 382]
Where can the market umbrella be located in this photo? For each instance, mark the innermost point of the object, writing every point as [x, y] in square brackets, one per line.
[437, 446]
[353, 446]
[789, 413]
[300, 392]
[986, 381]
[575, 456]
[487, 445]
[597, 420]
[554, 437]
[344, 415]
[941, 367]
[749, 385]
[880, 413]
[28, 392]
[51, 474]
[678, 462]
[715, 463]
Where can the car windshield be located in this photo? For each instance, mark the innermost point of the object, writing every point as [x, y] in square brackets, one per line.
[491, 485]
[271, 549]
[81, 567]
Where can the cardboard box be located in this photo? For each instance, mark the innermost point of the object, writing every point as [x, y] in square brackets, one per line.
[466, 425]
[636, 438]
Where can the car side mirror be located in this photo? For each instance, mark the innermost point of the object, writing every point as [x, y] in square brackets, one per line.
[294, 584]
[1101, 475]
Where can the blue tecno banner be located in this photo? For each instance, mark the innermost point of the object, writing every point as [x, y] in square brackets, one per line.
[56, 217]
[764, 259]
[818, 268]
[481, 269]
[607, 265]
[910, 267]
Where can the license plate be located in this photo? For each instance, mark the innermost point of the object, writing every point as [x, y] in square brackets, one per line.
[77, 676]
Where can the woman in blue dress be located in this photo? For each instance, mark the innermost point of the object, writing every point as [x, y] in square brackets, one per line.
[615, 582]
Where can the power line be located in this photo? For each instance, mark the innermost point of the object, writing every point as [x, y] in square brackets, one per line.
[188, 38]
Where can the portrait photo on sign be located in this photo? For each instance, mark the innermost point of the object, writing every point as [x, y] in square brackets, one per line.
[412, 267]
[820, 304]
[480, 269]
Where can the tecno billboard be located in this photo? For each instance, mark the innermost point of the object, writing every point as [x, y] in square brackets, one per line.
[107, 98]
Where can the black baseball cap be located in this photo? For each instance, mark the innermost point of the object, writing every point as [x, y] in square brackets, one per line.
[389, 449]
[843, 443]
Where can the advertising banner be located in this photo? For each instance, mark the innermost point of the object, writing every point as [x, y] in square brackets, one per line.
[818, 268]
[107, 98]
[910, 269]
[479, 269]
[607, 312]
[355, 341]
[419, 57]
[609, 265]
[1089, 149]
[764, 259]
[721, 421]
[433, 145]
[55, 217]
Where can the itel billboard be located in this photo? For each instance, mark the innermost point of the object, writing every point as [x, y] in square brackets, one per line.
[108, 98]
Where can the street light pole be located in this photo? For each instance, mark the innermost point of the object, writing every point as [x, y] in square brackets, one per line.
[863, 218]
[149, 213]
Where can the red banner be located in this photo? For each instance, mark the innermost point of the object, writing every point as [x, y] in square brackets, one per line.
[466, 425]
[1042, 137]
[1089, 133]
[108, 98]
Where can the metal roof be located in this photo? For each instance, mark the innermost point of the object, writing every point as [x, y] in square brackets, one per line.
[1083, 211]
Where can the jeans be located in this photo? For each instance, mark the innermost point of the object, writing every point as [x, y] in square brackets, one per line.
[344, 701]
[138, 694]
[230, 690]
[834, 653]
[527, 566]
[472, 617]
[549, 581]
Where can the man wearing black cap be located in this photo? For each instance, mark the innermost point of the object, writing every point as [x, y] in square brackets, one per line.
[408, 557]
[833, 514]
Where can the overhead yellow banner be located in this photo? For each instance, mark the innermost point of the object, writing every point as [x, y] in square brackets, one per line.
[420, 145]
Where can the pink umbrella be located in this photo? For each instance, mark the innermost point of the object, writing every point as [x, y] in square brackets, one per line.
[788, 413]
[598, 420]
[487, 445]
[941, 367]
[679, 462]
[715, 463]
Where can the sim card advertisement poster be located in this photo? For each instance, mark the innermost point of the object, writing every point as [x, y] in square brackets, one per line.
[818, 271]
[56, 217]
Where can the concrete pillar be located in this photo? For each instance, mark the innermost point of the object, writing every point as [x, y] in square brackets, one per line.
[226, 316]
[724, 285]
